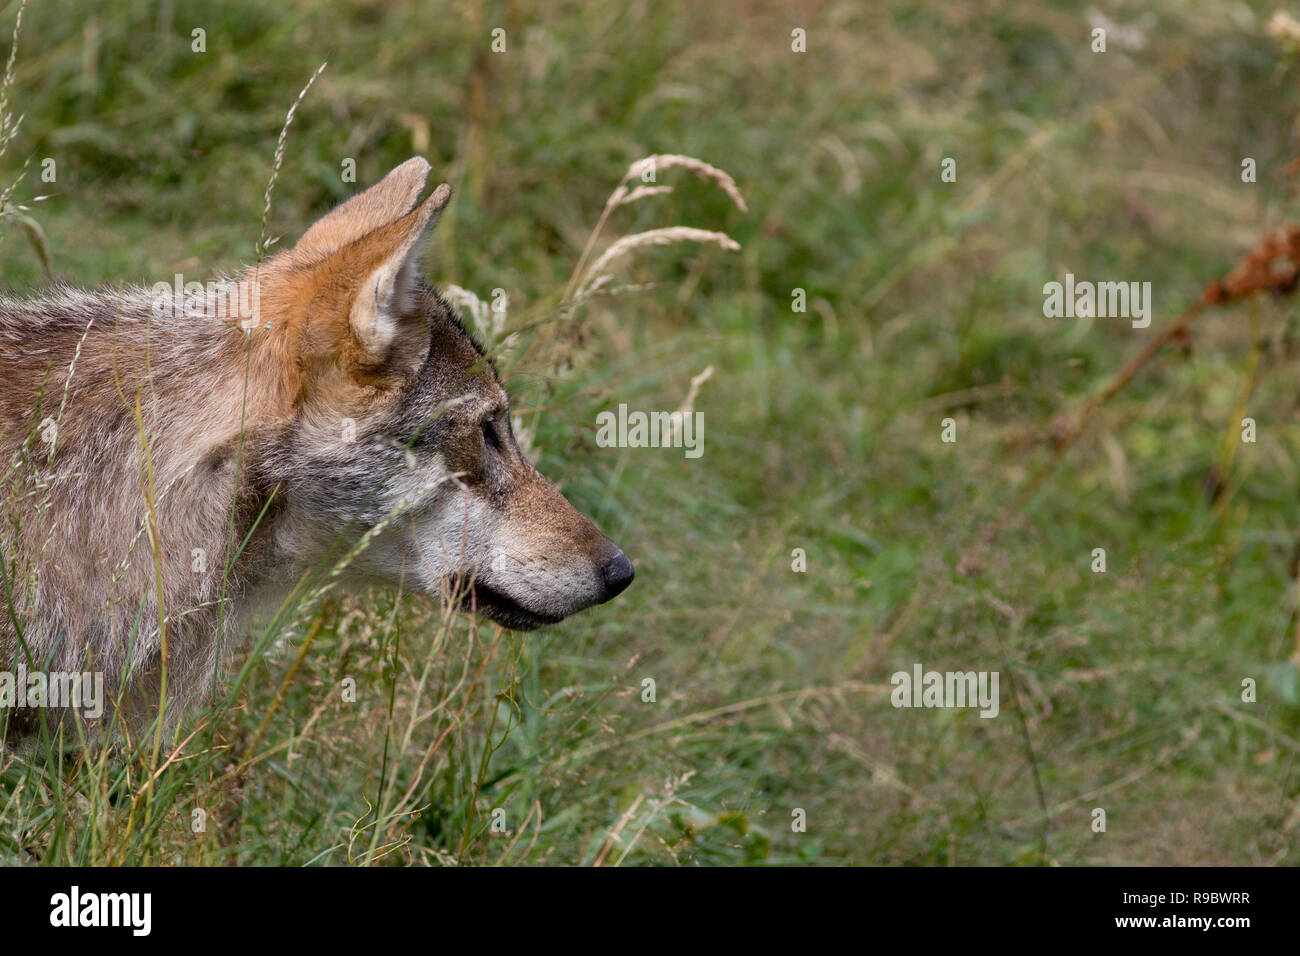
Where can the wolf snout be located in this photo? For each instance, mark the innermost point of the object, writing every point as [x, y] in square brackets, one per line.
[617, 572]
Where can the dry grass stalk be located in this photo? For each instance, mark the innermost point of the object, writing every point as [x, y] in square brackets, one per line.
[658, 237]
[641, 192]
[262, 243]
[623, 195]
[688, 405]
[699, 167]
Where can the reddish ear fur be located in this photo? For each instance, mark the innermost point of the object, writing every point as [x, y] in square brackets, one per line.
[389, 260]
[353, 272]
[387, 200]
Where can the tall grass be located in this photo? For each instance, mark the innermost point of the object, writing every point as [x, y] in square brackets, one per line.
[923, 302]
[170, 793]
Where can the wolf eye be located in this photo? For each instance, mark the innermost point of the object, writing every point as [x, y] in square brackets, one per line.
[490, 436]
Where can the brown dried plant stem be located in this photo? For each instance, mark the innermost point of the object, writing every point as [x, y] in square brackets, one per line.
[1074, 430]
[1272, 266]
[418, 777]
[327, 612]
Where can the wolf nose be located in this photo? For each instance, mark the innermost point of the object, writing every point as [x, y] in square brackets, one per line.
[618, 573]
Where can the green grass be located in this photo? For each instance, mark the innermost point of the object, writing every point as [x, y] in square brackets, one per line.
[1119, 691]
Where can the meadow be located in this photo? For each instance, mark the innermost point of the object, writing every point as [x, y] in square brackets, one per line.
[827, 536]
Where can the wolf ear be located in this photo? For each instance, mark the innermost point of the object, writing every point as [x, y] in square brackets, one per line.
[386, 261]
[389, 199]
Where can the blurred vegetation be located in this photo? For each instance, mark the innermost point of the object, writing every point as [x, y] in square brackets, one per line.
[1120, 690]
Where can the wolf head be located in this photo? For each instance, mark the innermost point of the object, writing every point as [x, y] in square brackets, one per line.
[398, 455]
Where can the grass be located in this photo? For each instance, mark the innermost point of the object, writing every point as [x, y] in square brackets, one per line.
[1120, 690]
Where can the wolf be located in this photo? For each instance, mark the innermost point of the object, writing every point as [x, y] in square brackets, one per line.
[169, 460]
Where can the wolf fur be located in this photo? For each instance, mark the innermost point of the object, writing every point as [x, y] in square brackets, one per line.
[353, 421]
